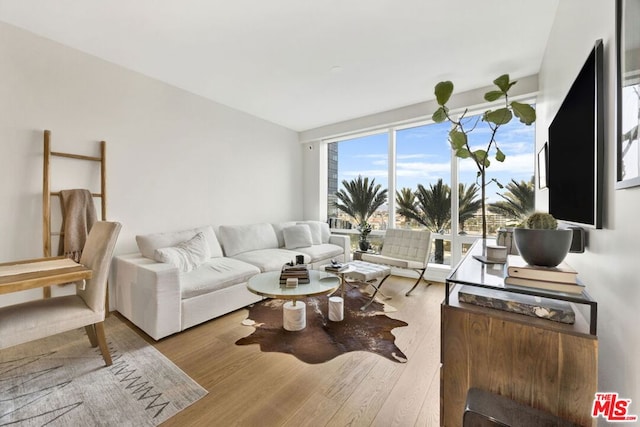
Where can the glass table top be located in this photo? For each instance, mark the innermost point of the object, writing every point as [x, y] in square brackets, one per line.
[472, 272]
[268, 285]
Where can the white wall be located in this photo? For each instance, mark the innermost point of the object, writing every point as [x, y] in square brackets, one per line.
[315, 180]
[174, 159]
[610, 266]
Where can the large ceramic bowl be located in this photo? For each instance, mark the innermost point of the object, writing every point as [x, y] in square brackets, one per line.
[546, 248]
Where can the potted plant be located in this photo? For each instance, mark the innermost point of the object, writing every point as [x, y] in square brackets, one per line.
[365, 229]
[461, 128]
[540, 242]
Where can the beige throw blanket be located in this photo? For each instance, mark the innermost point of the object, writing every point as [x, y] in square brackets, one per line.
[78, 216]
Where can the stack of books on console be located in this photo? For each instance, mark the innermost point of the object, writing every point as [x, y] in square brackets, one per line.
[562, 278]
[298, 271]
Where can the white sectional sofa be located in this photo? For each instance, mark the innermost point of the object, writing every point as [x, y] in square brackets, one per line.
[183, 278]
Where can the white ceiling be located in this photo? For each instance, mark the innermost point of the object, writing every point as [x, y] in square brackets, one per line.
[302, 63]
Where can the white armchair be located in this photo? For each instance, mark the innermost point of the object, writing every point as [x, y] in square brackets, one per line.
[41, 318]
[408, 249]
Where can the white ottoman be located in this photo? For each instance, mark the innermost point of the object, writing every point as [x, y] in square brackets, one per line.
[368, 272]
[294, 317]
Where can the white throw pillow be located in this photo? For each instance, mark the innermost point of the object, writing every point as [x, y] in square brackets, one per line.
[278, 227]
[237, 239]
[187, 255]
[316, 231]
[148, 243]
[297, 236]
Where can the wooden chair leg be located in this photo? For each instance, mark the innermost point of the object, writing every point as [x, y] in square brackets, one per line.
[417, 281]
[102, 343]
[91, 333]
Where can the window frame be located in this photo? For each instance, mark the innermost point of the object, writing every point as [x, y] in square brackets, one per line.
[457, 240]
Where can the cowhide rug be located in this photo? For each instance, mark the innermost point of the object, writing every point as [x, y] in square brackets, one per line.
[322, 339]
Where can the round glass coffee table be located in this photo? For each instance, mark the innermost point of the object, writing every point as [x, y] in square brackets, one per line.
[294, 317]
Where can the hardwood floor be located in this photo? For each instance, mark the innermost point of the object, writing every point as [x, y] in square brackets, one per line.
[250, 388]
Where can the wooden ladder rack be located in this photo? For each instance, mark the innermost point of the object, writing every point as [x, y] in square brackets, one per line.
[47, 233]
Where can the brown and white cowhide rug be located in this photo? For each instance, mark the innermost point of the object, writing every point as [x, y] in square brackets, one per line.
[322, 339]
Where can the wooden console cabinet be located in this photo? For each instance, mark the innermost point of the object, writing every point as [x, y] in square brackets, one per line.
[537, 362]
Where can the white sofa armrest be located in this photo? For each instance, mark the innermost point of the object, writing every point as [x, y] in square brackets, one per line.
[148, 294]
[344, 241]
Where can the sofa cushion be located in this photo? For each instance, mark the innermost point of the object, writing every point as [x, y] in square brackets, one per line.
[148, 243]
[278, 227]
[326, 231]
[297, 236]
[215, 274]
[237, 239]
[321, 252]
[270, 259]
[316, 231]
[185, 255]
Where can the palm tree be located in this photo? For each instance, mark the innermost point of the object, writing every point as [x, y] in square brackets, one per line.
[436, 204]
[360, 199]
[469, 202]
[429, 207]
[407, 205]
[518, 203]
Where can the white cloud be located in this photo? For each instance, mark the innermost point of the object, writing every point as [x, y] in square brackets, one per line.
[411, 156]
[372, 173]
[370, 156]
[514, 164]
[421, 169]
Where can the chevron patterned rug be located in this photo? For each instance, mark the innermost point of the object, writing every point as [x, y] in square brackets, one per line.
[62, 381]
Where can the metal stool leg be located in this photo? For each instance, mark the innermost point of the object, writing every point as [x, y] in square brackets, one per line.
[377, 288]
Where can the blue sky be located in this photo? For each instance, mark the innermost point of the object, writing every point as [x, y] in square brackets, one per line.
[423, 156]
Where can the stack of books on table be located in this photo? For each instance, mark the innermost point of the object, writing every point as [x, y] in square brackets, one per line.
[336, 267]
[562, 278]
[298, 271]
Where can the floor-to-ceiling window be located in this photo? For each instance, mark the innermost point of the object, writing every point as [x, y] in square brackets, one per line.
[433, 189]
[423, 184]
[364, 156]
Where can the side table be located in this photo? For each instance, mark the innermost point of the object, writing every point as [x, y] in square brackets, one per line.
[336, 304]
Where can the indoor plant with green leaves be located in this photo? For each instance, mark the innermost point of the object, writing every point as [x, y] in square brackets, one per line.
[461, 128]
[541, 242]
[365, 230]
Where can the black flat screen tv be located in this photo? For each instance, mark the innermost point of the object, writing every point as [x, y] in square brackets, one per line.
[576, 148]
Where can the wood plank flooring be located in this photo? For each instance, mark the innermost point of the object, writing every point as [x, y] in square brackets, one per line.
[250, 388]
